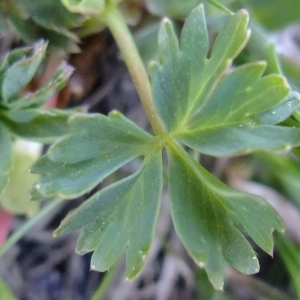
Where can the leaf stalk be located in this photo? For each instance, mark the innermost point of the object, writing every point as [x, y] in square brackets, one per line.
[123, 37]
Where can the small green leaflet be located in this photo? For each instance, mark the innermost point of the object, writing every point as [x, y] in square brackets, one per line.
[17, 74]
[120, 218]
[18, 68]
[206, 212]
[184, 77]
[103, 145]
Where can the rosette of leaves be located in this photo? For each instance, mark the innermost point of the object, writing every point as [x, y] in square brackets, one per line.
[20, 112]
[204, 108]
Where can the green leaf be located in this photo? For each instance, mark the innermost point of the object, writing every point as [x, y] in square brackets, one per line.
[12, 57]
[6, 156]
[20, 73]
[120, 218]
[96, 135]
[241, 139]
[241, 94]
[42, 95]
[20, 110]
[42, 12]
[30, 31]
[211, 112]
[37, 124]
[73, 180]
[207, 216]
[96, 147]
[184, 77]
[45, 19]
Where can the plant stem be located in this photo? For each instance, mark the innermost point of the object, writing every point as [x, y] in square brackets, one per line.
[17, 235]
[122, 35]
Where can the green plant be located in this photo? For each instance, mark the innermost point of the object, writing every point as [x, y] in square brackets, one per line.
[21, 115]
[195, 104]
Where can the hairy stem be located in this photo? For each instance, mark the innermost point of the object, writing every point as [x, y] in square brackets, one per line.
[118, 27]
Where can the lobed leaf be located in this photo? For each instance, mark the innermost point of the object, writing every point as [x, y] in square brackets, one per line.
[98, 135]
[72, 180]
[241, 94]
[42, 95]
[20, 73]
[120, 218]
[96, 147]
[185, 76]
[209, 111]
[206, 214]
[206, 109]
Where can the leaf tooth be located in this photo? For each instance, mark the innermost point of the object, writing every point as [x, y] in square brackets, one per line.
[93, 267]
[245, 13]
[166, 21]
[168, 41]
[285, 82]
